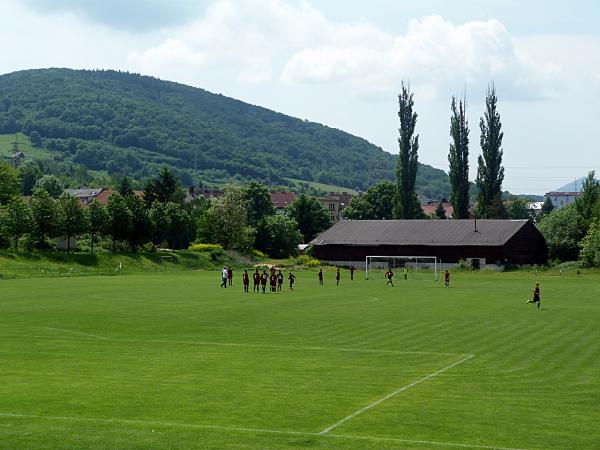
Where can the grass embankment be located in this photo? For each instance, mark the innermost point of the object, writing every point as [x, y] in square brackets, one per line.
[173, 361]
[52, 264]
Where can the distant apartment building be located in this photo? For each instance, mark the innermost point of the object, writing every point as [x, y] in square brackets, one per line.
[562, 199]
[335, 203]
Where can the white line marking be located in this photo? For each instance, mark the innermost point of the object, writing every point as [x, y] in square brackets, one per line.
[252, 430]
[396, 392]
[73, 331]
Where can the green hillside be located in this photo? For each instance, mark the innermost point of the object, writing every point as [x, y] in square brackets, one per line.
[119, 123]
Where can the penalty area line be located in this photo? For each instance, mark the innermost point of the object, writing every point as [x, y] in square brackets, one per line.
[392, 394]
[151, 423]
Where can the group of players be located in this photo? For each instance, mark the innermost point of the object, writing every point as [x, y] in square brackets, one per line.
[274, 279]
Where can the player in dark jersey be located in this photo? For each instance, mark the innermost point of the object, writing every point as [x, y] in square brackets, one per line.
[390, 277]
[351, 273]
[230, 275]
[536, 295]
[263, 280]
[337, 277]
[447, 279]
[256, 279]
[291, 278]
[273, 281]
[279, 280]
[320, 275]
[246, 281]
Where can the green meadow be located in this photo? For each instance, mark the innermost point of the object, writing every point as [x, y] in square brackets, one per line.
[170, 360]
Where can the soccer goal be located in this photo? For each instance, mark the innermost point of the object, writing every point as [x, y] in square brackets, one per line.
[418, 267]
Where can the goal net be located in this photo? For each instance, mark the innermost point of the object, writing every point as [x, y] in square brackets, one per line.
[417, 267]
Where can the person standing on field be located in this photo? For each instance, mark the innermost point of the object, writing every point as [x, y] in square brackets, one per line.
[256, 279]
[230, 275]
[263, 280]
[320, 275]
[279, 280]
[536, 295]
[405, 273]
[273, 281]
[224, 277]
[447, 279]
[351, 273]
[291, 278]
[246, 281]
[337, 277]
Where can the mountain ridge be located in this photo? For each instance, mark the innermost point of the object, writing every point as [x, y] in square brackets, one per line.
[131, 124]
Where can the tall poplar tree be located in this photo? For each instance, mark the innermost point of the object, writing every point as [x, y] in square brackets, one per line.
[490, 172]
[407, 206]
[459, 160]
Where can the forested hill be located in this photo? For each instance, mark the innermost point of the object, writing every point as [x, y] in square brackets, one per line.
[125, 123]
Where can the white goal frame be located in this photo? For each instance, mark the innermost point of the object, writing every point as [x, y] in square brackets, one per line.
[434, 259]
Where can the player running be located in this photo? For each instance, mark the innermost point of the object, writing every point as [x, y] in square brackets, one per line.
[390, 277]
[536, 296]
[447, 279]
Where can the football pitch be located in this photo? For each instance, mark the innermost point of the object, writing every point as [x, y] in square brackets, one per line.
[174, 361]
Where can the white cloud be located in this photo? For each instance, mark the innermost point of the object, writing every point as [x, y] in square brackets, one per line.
[292, 42]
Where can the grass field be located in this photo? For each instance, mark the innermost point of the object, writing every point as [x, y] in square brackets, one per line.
[173, 361]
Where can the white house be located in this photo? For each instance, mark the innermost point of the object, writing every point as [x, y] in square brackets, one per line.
[561, 199]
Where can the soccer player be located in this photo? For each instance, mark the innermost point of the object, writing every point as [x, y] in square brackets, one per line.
[536, 295]
[256, 279]
[273, 281]
[224, 277]
[291, 278]
[279, 280]
[390, 277]
[405, 272]
[230, 275]
[246, 281]
[351, 273]
[320, 275]
[263, 280]
[447, 278]
[337, 277]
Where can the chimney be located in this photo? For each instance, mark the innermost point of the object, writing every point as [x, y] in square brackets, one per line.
[475, 230]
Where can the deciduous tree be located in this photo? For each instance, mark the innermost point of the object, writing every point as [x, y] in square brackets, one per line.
[458, 158]
[490, 173]
[310, 215]
[98, 220]
[72, 219]
[407, 206]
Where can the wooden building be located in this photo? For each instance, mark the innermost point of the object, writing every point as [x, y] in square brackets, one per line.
[482, 243]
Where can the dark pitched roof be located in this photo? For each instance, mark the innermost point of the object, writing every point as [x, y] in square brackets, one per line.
[420, 232]
[282, 199]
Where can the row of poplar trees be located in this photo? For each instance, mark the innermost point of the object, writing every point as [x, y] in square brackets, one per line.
[490, 172]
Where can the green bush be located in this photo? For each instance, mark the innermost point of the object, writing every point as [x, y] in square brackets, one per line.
[205, 247]
[258, 254]
[462, 264]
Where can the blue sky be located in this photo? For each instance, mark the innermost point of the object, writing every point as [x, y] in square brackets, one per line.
[341, 63]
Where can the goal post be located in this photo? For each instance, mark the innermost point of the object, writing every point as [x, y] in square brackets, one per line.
[414, 263]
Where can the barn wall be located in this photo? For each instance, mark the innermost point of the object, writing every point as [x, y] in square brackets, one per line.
[450, 254]
[527, 246]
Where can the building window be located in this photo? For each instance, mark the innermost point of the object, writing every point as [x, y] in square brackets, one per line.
[332, 207]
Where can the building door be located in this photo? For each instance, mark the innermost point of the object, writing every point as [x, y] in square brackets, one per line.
[475, 264]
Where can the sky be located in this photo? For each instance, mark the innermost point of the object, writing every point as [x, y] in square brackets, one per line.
[342, 63]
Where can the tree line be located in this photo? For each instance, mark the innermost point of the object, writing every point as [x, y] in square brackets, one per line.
[243, 218]
[384, 201]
